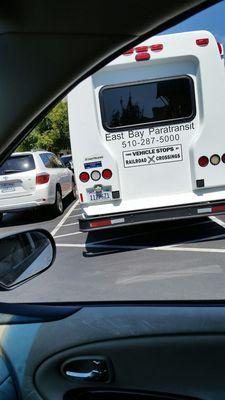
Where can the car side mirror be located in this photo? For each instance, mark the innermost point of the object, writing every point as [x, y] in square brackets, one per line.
[25, 255]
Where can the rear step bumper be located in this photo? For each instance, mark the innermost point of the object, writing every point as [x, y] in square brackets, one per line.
[157, 214]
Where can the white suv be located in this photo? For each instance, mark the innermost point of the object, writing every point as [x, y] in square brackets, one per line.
[32, 179]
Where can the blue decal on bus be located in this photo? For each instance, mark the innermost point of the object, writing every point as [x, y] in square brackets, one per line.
[94, 164]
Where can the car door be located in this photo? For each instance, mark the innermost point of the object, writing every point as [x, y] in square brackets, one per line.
[62, 174]
[138, 351]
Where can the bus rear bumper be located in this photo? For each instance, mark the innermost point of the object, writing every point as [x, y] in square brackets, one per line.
[116, 220]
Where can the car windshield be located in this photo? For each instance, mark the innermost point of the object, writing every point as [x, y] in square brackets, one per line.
[140, 214]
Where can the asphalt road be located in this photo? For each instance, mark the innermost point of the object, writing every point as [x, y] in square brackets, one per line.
[173, 260]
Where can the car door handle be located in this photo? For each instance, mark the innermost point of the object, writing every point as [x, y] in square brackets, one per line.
[89, 369]
[93, 376]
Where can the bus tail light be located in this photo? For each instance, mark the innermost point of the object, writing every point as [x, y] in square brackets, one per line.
[219, 208]
[95, 175]
[215, 159]
[202, 42]
[107, 173]
[203, 161]
[42, 178]
[128, 52]
[84, 177]
[106, 222]
[220, 48]
[81, 198]
[142, 56]
[156, 47]
[98, 224]
[223, 158]
[141, 49]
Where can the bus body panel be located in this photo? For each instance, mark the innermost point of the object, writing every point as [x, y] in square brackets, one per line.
[154, 163]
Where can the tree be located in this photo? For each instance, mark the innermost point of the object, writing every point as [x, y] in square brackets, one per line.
[51, 134]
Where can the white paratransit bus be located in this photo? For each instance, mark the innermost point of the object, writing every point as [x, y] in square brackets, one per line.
[148, 133]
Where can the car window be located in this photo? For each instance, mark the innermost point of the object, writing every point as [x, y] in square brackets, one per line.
[46, 160]
[143, 215]
[51, 161]
[56, 161]
[17, 164]
[66, 159]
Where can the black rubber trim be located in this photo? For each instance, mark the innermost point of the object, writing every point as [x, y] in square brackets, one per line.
[113, 394]
[34, 313]
[153, 215]
[13, 314]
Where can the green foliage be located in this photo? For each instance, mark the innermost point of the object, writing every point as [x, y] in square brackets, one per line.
[51, 134]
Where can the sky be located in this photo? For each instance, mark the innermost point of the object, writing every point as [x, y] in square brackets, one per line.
[212, 19]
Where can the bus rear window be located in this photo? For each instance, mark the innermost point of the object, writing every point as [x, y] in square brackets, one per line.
[147, 102]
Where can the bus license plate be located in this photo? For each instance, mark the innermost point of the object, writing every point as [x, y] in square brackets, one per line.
[7, 188]
[100, 195]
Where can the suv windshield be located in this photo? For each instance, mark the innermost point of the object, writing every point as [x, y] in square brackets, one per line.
[16, 164]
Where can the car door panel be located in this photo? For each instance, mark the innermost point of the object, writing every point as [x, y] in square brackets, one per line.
[63, 175]
[68, 181]
[7, 387]
[165, 364]
[164, 349]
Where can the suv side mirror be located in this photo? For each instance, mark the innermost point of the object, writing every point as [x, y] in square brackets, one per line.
[25, 255]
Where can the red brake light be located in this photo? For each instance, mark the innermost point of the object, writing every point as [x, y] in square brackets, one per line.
[128, 52]
[84, 177]
[220, 48]
[142, 56]
[141, 49]
[107, 173]
[203, 161]
[220, 208]
[42, 178]
[96, 224]
[156, 47]
[202, 42]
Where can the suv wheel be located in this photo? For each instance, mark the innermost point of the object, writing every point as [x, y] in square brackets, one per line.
[58, 206]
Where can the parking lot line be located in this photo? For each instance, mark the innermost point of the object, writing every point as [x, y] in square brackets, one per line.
[217, 221]
[160, 248]
[191, 249]
[204, 239]
[70, 245]
[72, 223]
[68, 234]
[61, 222]
[73, 216]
